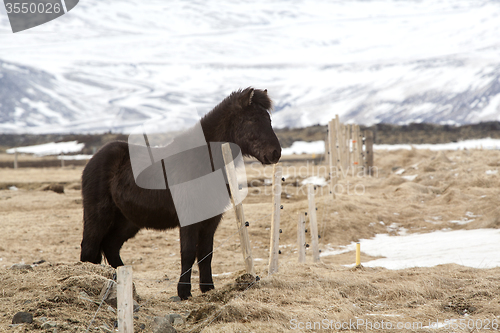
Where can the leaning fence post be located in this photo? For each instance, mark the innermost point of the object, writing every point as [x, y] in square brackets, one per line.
[238, 208]
[301, 237]
[313, 223]
[275, 220]
[369, 152]
[15, 158]
[125, 302]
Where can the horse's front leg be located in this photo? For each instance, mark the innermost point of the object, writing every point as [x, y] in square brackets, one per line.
[189, 239]
[205, 252]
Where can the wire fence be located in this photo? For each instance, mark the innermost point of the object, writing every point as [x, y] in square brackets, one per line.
[172, 281]
[284, 216]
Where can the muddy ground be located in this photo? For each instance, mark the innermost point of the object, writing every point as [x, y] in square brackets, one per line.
[38, 224]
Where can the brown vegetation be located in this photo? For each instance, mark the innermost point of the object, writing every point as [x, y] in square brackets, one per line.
[45, 225]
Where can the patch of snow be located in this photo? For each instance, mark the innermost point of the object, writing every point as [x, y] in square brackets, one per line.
[410, 177]
[13, 188]
[51, 148]
[318, 147]
[471, 214]
[399, 171]
[473, 248]
[337, 251]
[315, 180]
[486, 143]
[302, 147]
[222, 274]
[463, 221]
[393, 227]
[74, 157]
[491, 172]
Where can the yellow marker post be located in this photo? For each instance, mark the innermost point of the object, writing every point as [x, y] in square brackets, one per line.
[358, 254]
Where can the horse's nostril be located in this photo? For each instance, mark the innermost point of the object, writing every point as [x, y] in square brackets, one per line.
[276, 155]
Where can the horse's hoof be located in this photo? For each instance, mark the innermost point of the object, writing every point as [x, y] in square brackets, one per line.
[184, 293]
[206, 287]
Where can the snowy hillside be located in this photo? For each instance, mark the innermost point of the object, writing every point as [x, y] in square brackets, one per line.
[112, 65]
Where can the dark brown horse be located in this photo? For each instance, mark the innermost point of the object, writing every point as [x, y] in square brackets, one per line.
[115, 208]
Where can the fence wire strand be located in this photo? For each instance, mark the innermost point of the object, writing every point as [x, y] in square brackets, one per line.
[99, 307]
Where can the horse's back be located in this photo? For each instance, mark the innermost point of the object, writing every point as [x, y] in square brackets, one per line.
[101, 168]
[108, 186]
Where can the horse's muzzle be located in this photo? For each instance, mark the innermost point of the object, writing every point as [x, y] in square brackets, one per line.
[273, 157]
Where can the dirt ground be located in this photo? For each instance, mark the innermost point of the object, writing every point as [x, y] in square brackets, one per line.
[41, 225]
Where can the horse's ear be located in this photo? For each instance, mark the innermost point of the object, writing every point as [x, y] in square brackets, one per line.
[246, 98]
[265, 91]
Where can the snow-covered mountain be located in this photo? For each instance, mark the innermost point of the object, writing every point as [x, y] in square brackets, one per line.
[110, 65]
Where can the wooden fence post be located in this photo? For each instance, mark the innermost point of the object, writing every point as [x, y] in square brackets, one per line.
[332, 156]
[125, 302]
[350, 145]
[15, 158]
[356, 150]
[62, 160]
[275, 220]
[360, 149]
[340, 146]
[301, 238]
[327, 145]
[347, 148]
[240, 217]
[313, 223]
[369, 152]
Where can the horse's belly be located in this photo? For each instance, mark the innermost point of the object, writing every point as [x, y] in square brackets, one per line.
[148, 208]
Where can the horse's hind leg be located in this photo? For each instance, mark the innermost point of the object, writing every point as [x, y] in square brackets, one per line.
[120, 232]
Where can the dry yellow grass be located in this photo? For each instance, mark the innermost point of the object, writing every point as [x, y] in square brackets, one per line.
[45, 225]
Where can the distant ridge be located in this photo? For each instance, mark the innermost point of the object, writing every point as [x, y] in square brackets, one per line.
[384, 134]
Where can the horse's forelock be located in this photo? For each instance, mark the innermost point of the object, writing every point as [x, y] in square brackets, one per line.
[261, 98]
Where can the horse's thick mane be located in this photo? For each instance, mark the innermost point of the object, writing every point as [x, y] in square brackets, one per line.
[234, 100]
